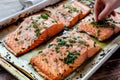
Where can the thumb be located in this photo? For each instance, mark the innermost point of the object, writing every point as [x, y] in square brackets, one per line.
[106, 11]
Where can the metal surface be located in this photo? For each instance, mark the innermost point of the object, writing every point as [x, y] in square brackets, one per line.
[20, 14]
[12, 70]
[83, 72]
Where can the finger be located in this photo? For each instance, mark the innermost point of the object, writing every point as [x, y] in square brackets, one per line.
[113, 13]
[96, 9]
[106, 11]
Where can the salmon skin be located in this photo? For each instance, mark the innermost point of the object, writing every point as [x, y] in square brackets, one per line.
[33, 31]
[64, 54]
[102, 30]
[70, 13]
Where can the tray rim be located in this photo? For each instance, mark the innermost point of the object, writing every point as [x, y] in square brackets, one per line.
[12, 70]
[101, 62]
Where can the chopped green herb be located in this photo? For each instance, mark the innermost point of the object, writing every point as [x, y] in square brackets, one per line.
[63, 14]
[28, 27]
[35, 24]
[29, 46]
[57, 49]
[98, 32]
[71, 57]
[100, 23]
[64, 37]
[94, 44]
[37, 31]
[31, 18]
[83, 43]
[44, 16]
[109, 22]
[45, 27]
[39, 17]
[72, 41]
[50, 45]
[71, 8]
[67, 45]
[54, 21]
[61, 42]
[40, 52]
[79, 37]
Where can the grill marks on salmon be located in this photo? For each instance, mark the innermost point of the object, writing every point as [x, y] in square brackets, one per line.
[102, 30]
[33, 31]
[70, 13]
[64, 54]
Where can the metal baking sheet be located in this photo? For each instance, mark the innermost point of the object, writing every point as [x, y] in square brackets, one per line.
[12, 70]
[27, 11]
[22, 63]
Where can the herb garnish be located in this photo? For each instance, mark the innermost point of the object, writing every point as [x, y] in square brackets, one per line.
[71, 57]
[28, 46]
[83, 43]
[44, 16]
[54, 21]
[35, 24]
[40, 52]
[72, 41]
[71, 9]
[37, 31]
[28, 27]
[63, 14]
[100, 23]
[64, 37]
[50, 45]
[61, 42]
[109, 22]
[57, 49]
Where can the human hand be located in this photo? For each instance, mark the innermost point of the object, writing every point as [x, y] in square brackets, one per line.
[104, 8]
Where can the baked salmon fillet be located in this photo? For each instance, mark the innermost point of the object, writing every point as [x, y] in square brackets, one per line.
[33, 31]
[70, 13]
[102, 30]
[63, 55]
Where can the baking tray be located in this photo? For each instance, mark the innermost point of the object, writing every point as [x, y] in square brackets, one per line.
[13, 70]
[22, 63]
[26, 12]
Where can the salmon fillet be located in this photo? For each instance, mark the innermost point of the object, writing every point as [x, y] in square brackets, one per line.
[70, 13]
[63, 55]
[33, 31]
[103, 29]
